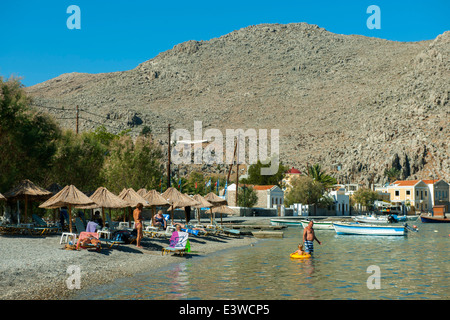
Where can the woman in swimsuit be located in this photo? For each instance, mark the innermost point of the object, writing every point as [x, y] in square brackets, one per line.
[137, 215]
[159, 220]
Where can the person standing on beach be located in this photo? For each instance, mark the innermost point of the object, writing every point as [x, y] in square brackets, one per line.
[308, 238]
[137, 215]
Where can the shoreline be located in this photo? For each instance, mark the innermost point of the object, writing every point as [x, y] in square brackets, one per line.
[35, 268]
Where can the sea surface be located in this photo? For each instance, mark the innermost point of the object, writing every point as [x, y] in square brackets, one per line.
[416, 266]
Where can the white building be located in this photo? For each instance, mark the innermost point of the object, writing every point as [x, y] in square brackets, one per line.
[439, 193]
[341, 201]
[270, 196]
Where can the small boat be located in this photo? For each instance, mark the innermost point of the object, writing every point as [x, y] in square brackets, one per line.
[404, 218]
[434, 219]
[372, 219]
[369, 229]
[319, 224]
[285, 222]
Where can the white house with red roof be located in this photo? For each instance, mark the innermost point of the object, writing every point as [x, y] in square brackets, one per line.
[269, 196]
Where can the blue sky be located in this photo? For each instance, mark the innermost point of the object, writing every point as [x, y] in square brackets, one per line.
[118, 35]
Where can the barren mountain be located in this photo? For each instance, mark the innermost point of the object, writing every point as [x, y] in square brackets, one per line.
[349, 102]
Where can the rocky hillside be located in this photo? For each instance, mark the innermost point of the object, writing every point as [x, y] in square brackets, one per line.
[358, 103]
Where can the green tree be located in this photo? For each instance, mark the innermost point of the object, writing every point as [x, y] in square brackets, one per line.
[133, 164]
[195, 177]
[255, 177]
[104, 136]
[27, 138]
[79, 160]
[316, 173]
[305, 190]
[392, 174]
[365, 197]
[146, 131]
[247, 197]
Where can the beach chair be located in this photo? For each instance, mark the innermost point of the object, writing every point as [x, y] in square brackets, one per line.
[110, 230]
[41, 227]
[16, 229]
[155, 232]
[85, 241]
[179, 243]
[194, 230]
[82, 217]
[124, 226]
[111, 225]
[66, 236]
[115, 240]
[79, 225]
[225, 230]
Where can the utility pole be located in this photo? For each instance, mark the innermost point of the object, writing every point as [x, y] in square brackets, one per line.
[237, 169]
[231, 164]
[78, 111]
[168, 163]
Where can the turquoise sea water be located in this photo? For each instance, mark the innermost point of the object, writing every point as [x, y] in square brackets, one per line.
[416, 266]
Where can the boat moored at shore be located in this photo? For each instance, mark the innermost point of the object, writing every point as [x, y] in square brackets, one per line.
[369, 229]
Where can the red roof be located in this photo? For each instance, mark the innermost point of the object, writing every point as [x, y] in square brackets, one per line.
[406, 183]
[293, 170]
[263, 187]
[431, 181]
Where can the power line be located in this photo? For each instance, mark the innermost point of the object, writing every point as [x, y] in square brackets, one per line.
[159, 128]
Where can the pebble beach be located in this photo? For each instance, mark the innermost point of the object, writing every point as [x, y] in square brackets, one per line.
[35, 268]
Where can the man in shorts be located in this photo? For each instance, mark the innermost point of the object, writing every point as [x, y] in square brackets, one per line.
[309, 237]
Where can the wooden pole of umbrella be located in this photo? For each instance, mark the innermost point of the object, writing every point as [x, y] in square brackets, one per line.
[216, 201]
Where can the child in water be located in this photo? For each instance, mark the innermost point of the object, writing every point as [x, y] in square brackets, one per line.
[300, 250]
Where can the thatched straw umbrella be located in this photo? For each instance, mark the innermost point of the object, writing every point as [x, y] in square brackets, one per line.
[203, 204]
[106, 199]
[142, 192]
[70, 197]
[27, 190]
[155, 199]
[222, 209]
[217, 202]
[177, 199]
[132, 198]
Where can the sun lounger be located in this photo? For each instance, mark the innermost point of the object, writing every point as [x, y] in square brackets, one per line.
[84, 241]
[111, 242]
[179, 243]
[225, 230]
[79, 225]
[41, 227]
[154, 232]
[116, 239]
[16, 229]
[67, 236]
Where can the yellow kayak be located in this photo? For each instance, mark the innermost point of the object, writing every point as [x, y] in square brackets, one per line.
[298, 256]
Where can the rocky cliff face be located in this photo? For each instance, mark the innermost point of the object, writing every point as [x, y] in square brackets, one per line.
[361, 104]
